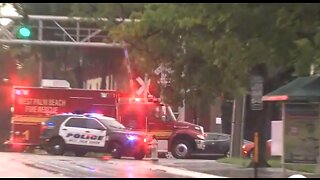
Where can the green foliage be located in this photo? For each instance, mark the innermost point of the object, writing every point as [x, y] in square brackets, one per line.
[212, 48]
[56, 9]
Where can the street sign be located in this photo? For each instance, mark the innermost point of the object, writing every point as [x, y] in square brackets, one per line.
[256, 93]
[144, 85]
[159, 70]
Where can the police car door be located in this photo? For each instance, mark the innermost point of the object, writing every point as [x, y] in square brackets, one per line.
[72, 130]
[96, 133]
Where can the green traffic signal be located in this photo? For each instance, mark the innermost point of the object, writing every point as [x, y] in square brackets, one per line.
[24, 32]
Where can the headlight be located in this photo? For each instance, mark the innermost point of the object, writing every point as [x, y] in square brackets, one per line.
[132, 137]
[200, 136]
[199, 128]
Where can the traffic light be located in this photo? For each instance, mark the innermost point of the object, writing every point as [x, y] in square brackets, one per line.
[24, 32]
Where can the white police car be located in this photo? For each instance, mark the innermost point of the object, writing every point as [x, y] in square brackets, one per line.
[85, 133]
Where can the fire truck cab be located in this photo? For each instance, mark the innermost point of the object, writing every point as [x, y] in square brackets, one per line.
[155, 118]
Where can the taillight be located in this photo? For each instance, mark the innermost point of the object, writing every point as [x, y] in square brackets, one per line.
[205, 135]
[43, 127]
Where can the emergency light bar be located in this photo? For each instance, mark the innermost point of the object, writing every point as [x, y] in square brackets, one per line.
[56, 83]
[93, 114]
[149, 99]
[21, 92]
[135, 99]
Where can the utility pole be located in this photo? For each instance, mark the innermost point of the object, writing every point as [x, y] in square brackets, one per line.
[236, 126]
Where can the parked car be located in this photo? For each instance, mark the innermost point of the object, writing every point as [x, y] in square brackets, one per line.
[247, 149]
[217, 145]
[81, 134]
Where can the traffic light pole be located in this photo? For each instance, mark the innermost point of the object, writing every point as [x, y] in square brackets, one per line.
[61, 43]
[73, 35]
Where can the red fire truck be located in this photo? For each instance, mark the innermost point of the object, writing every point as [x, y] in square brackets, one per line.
[33, 105]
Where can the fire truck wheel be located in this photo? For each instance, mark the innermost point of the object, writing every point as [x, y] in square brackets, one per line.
[56, 146]
[139, 155]
[181, 149]
[30, 149]
[116, 150]
[80, 153]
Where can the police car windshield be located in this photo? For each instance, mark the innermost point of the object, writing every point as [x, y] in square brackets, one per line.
[111, 123]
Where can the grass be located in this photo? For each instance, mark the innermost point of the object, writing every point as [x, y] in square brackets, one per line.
[309, 168]
[235, 161]
[274, 162]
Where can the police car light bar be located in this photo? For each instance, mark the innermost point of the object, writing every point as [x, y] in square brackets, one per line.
[93, 114]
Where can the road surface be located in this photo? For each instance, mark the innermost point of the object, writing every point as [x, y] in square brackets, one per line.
[43, 165]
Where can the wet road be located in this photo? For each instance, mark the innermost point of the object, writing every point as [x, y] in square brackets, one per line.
[42, 165]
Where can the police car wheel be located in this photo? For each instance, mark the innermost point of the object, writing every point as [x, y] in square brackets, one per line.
[80, 153]
[181, 149]
[56, 146]
[116, 150]
[139, 155]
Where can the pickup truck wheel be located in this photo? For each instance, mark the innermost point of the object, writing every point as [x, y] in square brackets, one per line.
[181, 149]
[250, 154]
[56, 146]
[116, 150]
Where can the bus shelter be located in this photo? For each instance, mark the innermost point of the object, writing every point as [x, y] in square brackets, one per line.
[300, 107]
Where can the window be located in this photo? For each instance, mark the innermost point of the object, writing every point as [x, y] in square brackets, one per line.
[112, 123]
[76, 122]
[57, 119]
[222, 137]
[217, 136]
[93, 124]
[211, 136]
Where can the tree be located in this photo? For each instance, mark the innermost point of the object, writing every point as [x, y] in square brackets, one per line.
[213, 48]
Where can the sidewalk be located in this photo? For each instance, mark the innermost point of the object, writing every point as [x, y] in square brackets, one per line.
[229, 170]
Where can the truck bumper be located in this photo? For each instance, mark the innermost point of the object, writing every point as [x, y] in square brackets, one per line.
[200, 144]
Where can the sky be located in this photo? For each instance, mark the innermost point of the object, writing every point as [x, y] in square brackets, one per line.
[7, 10]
